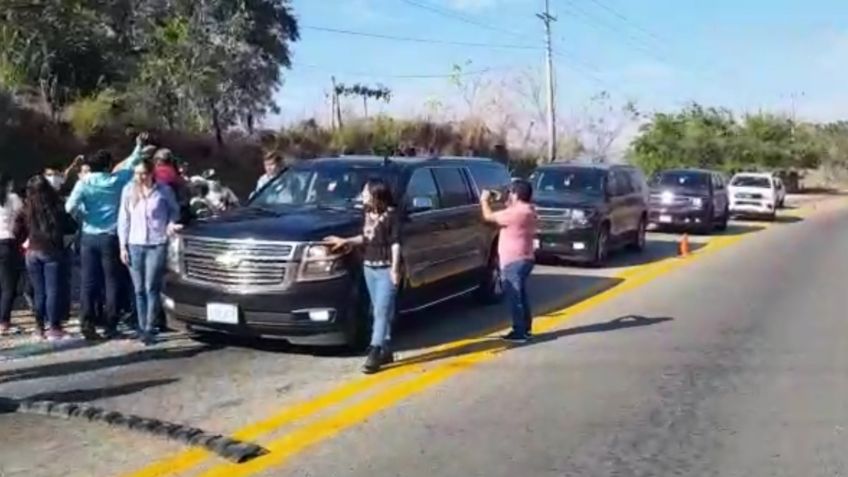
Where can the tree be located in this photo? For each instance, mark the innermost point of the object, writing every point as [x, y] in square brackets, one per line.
[602, 125]
[64, 50]
[694, 137]
[470, 86]
[187, 63]
[712, 138]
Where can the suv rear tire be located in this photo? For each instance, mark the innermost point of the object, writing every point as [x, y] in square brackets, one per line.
[490, 290]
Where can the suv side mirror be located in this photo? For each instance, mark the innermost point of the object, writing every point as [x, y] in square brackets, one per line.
[421, 204]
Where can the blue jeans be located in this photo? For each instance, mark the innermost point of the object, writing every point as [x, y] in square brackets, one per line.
[147, 268]
[100, 264]
[382, 292]
[515, 275]
[48, 277]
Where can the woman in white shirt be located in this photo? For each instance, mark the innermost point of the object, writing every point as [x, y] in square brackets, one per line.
[10, 254]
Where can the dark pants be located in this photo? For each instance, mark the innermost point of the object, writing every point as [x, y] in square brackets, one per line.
[99, 271]
[126, 295]
[515, 275]
[48, 276]
[10, 263]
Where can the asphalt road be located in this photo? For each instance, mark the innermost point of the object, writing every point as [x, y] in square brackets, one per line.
[730, 365]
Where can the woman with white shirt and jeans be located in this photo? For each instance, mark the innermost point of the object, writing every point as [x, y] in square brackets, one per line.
[10, 254]
[148, 214]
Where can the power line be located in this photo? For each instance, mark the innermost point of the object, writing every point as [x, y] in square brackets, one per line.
[630, 40]
[586, 68]
[627, 20]
[419, 39]
[463, 18]
[372, 74]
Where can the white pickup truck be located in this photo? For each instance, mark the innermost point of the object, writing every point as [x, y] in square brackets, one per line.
[756, 194]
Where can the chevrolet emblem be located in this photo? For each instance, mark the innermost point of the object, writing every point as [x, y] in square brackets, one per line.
[229, 260]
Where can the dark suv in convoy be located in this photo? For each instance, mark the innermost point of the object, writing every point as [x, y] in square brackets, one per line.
[263, 270]
[585, 211]
[691, 199]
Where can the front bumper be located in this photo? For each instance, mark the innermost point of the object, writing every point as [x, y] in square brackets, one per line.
[576, 245]
[678, 217]
[752, 207]
[308, 313]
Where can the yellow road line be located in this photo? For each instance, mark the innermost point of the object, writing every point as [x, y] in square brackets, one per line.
[633, 277]
[283, 448]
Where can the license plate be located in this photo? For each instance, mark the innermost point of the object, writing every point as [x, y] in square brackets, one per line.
[222, 313]
[665, 219]
[536, 244]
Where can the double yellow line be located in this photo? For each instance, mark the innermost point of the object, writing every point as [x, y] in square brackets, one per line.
[319, 420]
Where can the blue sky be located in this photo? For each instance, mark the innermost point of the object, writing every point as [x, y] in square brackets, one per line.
[743, 54]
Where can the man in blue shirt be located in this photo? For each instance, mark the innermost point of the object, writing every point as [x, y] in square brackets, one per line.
[94, 202]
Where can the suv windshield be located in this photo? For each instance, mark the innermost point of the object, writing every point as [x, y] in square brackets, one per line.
[320, 186]
[579, 181]
[751, 181]
[682, 179]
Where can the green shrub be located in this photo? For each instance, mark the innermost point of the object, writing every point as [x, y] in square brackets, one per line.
[90, 116]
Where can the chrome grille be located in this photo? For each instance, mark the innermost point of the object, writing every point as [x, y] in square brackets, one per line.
[677, 201]
[553, 220]
[554, 214]
[236, 263]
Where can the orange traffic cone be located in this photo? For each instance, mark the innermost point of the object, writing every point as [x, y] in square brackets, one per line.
[684, 245]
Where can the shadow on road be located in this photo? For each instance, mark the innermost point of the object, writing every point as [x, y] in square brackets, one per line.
[496, 345]
[88, 395]
[458, 320]
[84, 366]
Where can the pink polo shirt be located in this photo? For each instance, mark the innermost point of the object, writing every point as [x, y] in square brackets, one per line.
[518, 229]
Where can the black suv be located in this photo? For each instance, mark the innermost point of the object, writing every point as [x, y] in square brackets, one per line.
[587, 210]
[691, 199]
[263, 271]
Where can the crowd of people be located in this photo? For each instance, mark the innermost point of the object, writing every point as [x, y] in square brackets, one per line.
[117, 218]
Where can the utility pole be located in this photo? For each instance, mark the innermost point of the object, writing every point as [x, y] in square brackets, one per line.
[547, 19]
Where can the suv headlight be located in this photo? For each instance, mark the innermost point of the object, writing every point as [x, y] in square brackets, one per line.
[321, 263]
[175, 246]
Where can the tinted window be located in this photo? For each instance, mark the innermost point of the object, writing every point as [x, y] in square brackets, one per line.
[421, 184]
[751, 181]
[718, 182]
[683, 179]
[335, 185]
[577, 180]
[453, 189]
[623, 184]
[637, 180]
[490, 176]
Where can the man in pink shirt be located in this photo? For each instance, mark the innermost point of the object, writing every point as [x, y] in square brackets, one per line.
[516, 252]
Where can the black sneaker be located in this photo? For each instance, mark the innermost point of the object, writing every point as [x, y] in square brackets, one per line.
[372, 362]
[90, 334]
[514, 337]
[112, 334]
[386, 356]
